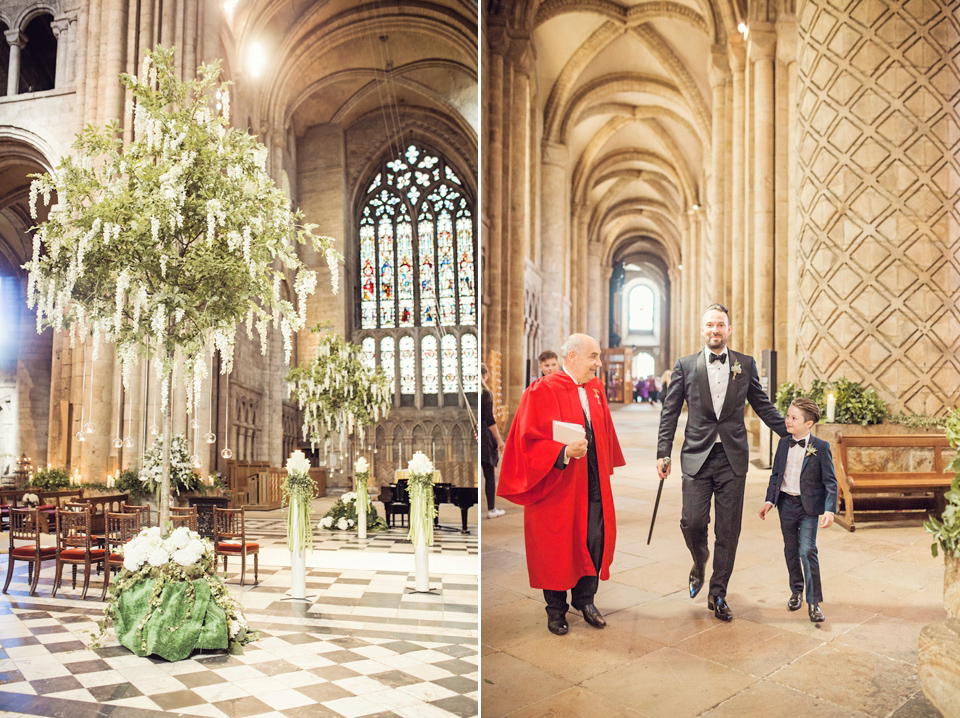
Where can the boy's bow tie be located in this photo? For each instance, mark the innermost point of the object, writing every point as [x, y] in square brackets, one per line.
[722, 358]
[794, 442]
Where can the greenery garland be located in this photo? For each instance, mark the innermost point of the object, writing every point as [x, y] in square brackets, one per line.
[337, 392]
[854, 404]
[343, 515]
[298, 492]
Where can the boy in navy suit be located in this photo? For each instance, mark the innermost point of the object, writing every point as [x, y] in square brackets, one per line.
[803, 486]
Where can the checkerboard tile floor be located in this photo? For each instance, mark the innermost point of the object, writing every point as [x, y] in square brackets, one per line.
[269, 529]
[363, 645]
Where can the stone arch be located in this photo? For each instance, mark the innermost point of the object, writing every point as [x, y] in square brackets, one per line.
[397, 452]
[33, 10]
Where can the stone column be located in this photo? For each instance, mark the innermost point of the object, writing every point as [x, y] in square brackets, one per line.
[594, 292]
[877, 200]
[61, 28]
[115, 16]
[716, 207]
[737, 180]
[762, 46]
[786, 314]
[517, 133]
[16, 40]
[493, 192]
[321, 190]
[555, 210]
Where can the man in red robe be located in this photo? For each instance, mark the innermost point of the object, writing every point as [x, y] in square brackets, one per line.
[568, 517]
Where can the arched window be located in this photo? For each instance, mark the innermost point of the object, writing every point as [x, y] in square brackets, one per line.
[412, 278]
[38, 59]
[417, 271]
[643, 365]
[640, 309]
[369, 348]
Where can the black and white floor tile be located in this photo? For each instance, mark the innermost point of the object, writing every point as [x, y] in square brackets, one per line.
[362, 645]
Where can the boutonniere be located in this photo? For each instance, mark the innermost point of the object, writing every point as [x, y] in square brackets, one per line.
[811, 450]
[735, 369]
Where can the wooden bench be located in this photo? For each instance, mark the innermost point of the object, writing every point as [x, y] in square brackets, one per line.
[101, 505]
[867, 494]
[49, 502]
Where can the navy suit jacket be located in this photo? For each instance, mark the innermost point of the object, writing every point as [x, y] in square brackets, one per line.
[690, 384]
[818, 482]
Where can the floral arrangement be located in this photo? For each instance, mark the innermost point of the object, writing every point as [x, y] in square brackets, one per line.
[168, 599]
[182, 476]
[422, 508]
[31, 499]
[946, 529]
[298, 492]
[164, 244]
[337, 391]
[342, 516]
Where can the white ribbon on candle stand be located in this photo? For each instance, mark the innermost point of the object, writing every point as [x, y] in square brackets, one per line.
[422, 567]
[298, 565]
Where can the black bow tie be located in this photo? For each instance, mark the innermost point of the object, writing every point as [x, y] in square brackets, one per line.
[722, 358]
[794, 442]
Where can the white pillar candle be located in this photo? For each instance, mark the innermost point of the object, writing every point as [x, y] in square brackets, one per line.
[831, 408]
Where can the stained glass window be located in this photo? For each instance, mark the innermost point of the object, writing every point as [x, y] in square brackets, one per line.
[387, 345]
[471, 362]
[417, 268]
[430, 364]
[450, 364]
[369, 348]
[405, 272]
[417, 248]
[408, 365]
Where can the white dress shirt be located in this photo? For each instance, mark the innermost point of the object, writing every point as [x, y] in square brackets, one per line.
[583, 397]
[718, 375]
[791, 472]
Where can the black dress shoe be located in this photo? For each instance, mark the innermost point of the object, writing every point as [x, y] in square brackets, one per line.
[558, 626]
[816, 615]
[720, 609]
[696, 582]
[591, 615]
[795, 601]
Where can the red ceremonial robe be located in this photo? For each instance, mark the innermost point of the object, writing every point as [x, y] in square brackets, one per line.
[555, 500]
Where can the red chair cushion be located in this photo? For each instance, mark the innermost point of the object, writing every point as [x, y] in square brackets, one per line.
[115, 558]
[224, 547]
[47, 508]
[29, 551]
[74, 554]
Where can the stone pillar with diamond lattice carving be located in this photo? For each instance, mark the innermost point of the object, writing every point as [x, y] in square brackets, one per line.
[878, 128]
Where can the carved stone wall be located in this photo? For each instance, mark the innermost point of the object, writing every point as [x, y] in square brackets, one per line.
[878, 221]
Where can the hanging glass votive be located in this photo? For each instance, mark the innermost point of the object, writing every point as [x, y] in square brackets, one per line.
[210, 437]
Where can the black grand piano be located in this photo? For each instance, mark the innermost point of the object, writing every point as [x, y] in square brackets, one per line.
[396, 500]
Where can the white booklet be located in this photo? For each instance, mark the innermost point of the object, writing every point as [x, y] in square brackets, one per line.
[567, 432]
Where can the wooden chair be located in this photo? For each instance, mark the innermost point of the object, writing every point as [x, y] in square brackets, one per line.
[75, 547]
[25, 526]
[142, 511]
[184, 516]
[120, 529]
[230, 539]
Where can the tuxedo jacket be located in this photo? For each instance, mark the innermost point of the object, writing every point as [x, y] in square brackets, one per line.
[818, 482]
[690, 383]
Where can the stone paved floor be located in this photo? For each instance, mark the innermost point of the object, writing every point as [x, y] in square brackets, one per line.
[364, 644]
[663, 654]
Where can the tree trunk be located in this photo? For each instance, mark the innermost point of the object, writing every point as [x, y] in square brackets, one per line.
[167, 437]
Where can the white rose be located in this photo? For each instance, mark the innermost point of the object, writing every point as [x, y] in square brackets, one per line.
[349, 497]
[158, 557]
[298, 463]
[362, 465]
[180, 537]
[326, 522]
[187, 556]
[420, 464]
[342, 525]
[350, 523]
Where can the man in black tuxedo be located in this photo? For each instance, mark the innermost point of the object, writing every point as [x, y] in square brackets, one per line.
[715, 383]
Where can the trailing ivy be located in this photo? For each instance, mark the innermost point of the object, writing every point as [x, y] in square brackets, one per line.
[946, 530]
